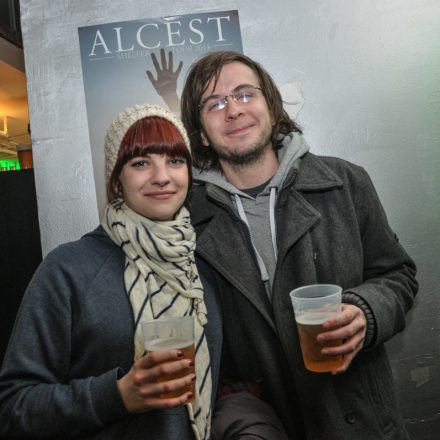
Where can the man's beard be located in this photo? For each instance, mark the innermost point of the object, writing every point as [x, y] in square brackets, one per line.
[242, 157]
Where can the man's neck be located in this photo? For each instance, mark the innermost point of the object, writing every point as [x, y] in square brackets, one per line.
[252, 175]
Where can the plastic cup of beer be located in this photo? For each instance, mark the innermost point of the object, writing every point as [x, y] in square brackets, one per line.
[312, 306]
[167, 334]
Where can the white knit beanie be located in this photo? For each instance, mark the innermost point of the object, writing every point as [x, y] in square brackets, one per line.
[125, 120]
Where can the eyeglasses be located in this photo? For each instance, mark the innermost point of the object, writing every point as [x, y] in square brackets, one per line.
[243, 94]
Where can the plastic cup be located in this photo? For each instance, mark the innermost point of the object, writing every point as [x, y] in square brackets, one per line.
[168, 334]
[312, 306]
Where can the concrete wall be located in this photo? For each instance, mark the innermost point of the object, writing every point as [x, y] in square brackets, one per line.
[370, 72]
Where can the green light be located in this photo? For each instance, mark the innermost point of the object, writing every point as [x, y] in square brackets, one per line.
[9, 164]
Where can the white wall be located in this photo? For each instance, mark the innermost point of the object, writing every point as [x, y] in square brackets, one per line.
[370, 71]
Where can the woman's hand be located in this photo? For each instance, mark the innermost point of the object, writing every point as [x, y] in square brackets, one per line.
[140, 389]
[350, 326]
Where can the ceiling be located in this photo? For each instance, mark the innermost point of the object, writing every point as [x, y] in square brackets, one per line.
[14, 115]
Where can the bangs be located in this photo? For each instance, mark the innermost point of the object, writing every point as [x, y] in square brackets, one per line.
[177, 149]
[153, 135]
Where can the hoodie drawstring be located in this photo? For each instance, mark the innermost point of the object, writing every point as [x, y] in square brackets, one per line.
[273, 232]
[242, 214]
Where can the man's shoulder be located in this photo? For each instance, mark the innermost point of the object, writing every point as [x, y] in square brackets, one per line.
[334, 163]
[198, 189]
[200, 206]
[329, 173]
[331, 168]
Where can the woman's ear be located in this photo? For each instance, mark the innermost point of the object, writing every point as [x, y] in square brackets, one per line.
[118, 187]
[204, 139]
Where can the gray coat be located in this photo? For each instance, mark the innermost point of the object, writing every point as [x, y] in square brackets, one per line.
[331, 228]
[72, 340]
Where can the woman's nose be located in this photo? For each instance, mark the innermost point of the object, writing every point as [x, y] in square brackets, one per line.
[160, 175]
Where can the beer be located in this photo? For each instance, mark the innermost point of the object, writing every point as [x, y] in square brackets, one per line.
[187, 348]
[308, 329]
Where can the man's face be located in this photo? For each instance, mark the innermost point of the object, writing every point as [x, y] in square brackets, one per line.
[240, 132]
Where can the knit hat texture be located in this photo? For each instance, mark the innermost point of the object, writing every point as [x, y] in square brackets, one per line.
[125, 120]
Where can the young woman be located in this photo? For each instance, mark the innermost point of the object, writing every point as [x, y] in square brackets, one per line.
[75, 366]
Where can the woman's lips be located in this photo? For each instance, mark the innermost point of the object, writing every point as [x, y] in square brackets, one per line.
[163, 195]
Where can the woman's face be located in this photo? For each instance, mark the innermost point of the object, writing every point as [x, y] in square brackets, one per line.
[155, 186]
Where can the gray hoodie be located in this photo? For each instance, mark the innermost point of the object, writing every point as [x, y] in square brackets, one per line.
[258, 213]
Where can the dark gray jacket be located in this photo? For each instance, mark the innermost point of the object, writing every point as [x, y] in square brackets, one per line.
[331, 228]
[72, 340]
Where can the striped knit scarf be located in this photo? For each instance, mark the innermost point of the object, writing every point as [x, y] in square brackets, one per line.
[161, 280]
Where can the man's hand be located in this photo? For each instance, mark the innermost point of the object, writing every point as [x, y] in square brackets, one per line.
[140, 389]
[350, 326]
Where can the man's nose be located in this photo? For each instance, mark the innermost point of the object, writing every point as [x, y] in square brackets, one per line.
[233, 109]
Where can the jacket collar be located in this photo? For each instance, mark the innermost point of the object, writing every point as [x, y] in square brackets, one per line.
[200, 202]
[214, 228]
[315, 175]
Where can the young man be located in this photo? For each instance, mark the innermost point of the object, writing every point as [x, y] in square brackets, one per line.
[270, 216]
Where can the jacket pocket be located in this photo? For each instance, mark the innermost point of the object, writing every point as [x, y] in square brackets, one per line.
[380, 387]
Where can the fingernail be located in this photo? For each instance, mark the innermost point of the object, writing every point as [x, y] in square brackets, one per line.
[191, 364]
[189, 396]
[193, 378]
[179, 353]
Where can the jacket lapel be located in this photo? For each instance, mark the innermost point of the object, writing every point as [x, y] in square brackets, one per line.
[295, 215]
[225, 244]
[223, 241]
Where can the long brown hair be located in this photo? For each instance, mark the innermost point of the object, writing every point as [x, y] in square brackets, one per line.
[149, 135]
[201, 73]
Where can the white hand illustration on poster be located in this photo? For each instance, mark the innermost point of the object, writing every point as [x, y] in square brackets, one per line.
[165, 82]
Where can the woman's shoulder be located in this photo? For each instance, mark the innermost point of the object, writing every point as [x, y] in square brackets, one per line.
[94, 242]
[86, 255]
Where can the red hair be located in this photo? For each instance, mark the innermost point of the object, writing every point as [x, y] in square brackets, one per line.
[149, 135]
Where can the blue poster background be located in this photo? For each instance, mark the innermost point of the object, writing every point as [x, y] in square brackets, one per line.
[116, 56]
